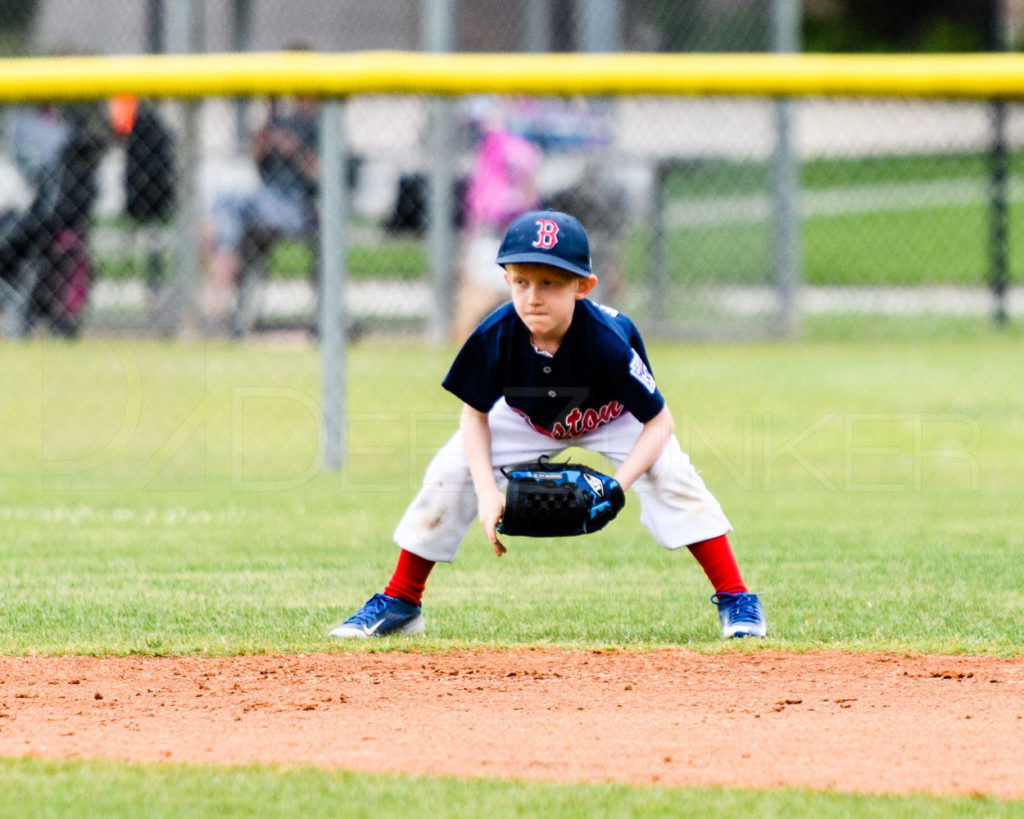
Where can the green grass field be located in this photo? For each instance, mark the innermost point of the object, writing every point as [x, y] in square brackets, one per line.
[166, 498]
[885, 220]
[55, 789]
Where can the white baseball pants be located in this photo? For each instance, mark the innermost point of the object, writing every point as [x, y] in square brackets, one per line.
[675, 506]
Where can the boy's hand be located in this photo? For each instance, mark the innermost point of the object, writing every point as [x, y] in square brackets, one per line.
[490, 505]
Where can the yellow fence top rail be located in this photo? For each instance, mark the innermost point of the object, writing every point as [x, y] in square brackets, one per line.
[976, 76]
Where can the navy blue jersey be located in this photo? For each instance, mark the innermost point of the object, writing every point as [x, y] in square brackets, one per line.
[600, 371]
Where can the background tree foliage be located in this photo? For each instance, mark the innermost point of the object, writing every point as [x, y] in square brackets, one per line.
[15, 21]
[903, 26]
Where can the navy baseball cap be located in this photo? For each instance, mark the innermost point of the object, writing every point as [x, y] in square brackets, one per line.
[547, 237]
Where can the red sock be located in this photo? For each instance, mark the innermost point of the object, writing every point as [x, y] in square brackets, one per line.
[716, 559]
[410, 578]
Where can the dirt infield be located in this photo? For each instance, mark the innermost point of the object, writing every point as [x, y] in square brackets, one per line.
[872, 723]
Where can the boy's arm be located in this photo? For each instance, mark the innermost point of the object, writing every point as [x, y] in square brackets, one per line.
[476, 441]
[646, 448]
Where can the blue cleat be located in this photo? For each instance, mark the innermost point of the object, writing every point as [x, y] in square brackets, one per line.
[741, 615]
[380, 616]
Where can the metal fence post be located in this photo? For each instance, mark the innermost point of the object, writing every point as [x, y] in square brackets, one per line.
[998, 175]
[658, 283]
[600, 25]
[332, 281]
[438, 36]
[184, 26]
[785, 16]
[241, 40]
[537, 27]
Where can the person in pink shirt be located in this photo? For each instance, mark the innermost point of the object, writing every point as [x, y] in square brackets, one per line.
[500, 187]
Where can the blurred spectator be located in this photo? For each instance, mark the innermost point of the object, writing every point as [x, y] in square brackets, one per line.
[285, 150]
[149, 180]
[44, 252]
[501, 186]
[37, 136]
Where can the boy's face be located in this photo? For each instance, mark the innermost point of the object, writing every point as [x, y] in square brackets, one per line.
[545, 297]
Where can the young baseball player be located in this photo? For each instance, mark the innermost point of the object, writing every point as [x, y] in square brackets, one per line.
[549, 370]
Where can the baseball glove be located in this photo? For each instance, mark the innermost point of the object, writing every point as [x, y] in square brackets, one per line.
[549, 499]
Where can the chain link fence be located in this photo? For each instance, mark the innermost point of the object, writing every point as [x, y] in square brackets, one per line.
[899, 203]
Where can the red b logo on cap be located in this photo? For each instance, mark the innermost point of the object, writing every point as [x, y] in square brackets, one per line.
[547, 234]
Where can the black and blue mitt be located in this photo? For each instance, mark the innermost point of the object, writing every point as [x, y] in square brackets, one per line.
[554, 499]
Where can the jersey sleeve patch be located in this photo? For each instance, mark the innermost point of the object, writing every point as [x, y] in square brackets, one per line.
[639, 371]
